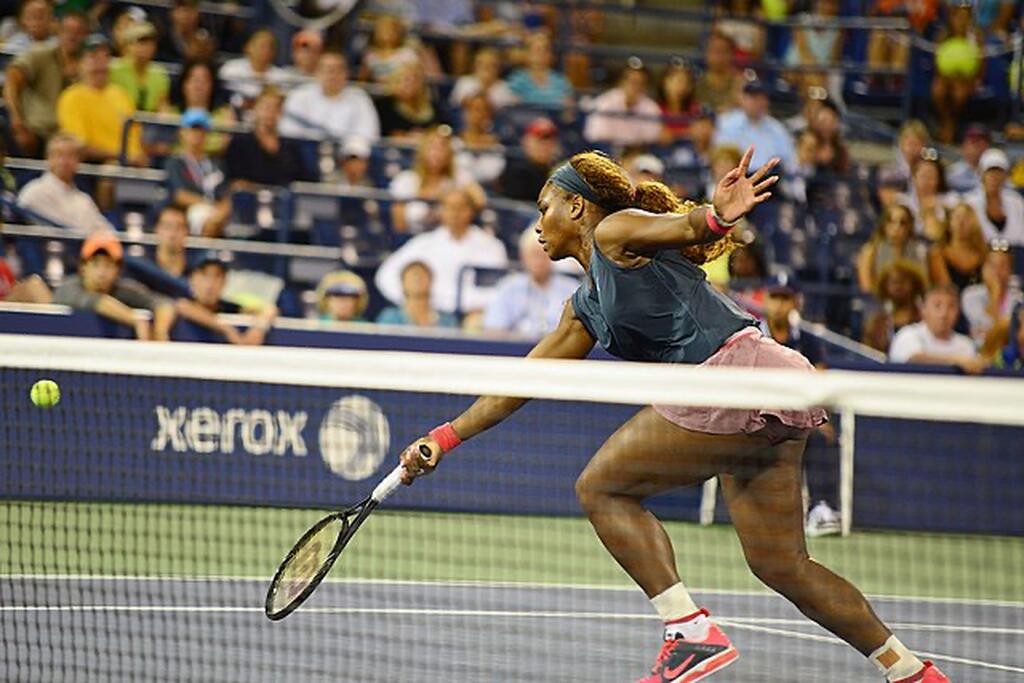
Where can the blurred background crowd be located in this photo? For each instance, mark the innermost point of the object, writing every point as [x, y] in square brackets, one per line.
[377, 161]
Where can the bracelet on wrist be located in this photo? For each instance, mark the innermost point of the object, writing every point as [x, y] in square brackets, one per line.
[717, 224]
[445, 437]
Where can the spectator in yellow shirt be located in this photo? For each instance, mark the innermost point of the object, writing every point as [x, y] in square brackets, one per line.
[94, 110]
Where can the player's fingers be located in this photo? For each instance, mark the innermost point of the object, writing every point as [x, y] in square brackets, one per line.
[763, 198]
[765, 184]
[764, 170]
[412, 461]
[745, 161]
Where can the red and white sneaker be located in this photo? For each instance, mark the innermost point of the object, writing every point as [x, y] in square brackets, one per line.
[685, 661]
[929, 674]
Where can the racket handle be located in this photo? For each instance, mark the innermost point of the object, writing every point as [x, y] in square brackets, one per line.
[391, 482]
[388, 485]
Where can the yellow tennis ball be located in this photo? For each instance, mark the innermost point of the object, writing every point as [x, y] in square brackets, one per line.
[45, 393]
[958, 57]
[774, 10]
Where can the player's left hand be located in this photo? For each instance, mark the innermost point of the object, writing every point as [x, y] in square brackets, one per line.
[737, 194]
[414, 462]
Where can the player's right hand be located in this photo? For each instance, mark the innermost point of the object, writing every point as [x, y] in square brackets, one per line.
[415, 462]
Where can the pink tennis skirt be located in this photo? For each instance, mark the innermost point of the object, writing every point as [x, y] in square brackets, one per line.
[749, 348]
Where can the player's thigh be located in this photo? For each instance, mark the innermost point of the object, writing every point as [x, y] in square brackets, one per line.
[765, 503]
[649, 454]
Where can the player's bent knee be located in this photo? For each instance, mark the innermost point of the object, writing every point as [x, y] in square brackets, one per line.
[784, 573]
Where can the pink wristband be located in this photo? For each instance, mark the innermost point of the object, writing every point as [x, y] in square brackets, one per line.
[715, 224]
[445, 437]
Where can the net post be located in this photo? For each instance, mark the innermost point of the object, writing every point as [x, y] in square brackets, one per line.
[847, 420]
[708, 496]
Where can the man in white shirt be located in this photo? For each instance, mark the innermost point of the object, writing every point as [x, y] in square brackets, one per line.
[933, 341]
[1000, 208]
[530, 302]
[54, 195]
[447, 250]
[625, 115]
[330, 107]
[751, 124]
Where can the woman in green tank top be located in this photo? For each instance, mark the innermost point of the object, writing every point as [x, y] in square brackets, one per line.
[645, 300]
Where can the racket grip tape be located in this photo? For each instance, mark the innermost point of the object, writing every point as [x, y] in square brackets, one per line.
[391, 482]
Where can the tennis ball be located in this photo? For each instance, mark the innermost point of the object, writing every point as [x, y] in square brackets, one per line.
[45, 393]
[774, 10]
[958, 57]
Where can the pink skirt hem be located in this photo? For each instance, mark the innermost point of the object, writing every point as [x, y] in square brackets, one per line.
[749, 348]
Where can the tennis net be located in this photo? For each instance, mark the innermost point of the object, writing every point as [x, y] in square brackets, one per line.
[143, 517]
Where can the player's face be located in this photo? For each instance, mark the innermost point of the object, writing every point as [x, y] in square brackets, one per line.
[556, 228]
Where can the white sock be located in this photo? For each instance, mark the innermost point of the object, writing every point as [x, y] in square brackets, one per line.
[895, 661]
[683, 619]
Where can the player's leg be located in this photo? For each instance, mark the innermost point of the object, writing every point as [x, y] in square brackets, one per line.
[646, 456]
[763, 495]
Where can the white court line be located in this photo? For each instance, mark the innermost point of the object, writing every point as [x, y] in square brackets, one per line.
[836, 641]
[903, 626]
[736, 622]
[981, 602]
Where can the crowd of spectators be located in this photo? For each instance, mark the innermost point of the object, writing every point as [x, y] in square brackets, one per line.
[246, 103]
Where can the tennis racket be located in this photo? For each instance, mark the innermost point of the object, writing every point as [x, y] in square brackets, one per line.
[312, 557]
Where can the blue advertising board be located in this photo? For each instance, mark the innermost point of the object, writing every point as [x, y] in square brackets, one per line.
[175, 440]
[132, 438]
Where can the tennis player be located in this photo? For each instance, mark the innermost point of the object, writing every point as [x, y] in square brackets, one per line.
[646, 299]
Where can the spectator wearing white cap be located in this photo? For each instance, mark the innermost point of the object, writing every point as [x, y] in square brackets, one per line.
[1000, 208]
[531, 302]
[331, 106]
[353, 168]
[625, 115]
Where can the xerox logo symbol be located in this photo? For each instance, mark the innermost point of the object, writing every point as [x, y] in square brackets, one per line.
[204, 430]
[354, 437]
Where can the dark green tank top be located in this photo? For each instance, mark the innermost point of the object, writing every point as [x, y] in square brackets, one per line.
[663, 311]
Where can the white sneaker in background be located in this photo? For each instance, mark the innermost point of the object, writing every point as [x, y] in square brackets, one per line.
[822, 521]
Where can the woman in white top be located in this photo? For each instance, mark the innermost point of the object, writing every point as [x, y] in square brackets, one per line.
[929, 198]
[433, 175]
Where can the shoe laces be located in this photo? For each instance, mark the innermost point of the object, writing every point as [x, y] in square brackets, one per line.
[666, 651]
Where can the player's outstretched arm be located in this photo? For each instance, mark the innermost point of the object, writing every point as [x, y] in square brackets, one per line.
[569, 340]
[735, 196]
